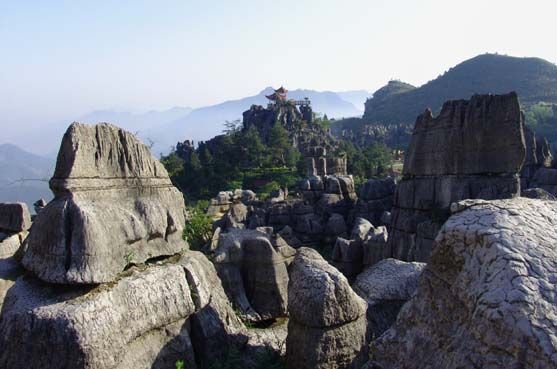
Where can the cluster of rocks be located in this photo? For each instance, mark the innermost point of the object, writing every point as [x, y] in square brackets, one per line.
[367, 245]
[221, 204]
[112, 282]
[15, 222]
[473, 149]
[376, 201]
[392, 135]
[322, 212]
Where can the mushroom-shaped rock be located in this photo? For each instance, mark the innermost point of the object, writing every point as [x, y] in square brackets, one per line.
[114, 205]
[327, 326]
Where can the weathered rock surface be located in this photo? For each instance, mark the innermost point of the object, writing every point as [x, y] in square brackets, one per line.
[376, 197]
[114, 205]
[487, 297]
[466, 138]
[14, 217]
[148, 318]
[473, 149]
[327, 326]
[10, 268]
[253, 267]
[367, 246]
[386, 286]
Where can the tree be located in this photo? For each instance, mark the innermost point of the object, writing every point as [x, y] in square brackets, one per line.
[279, 144]
[231, 127]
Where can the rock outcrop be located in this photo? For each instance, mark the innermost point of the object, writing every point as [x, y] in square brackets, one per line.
[486, 299]
[10, 269]
[147, 318]
[546, 179]
[473, 149]
[14, 217]
[386, 287]
[538, 155]
[316, 144]
[112, 197]
[322, 214]
[367, 246]
[327, 326]
[376, 197]
[252, 265]
[114, 206]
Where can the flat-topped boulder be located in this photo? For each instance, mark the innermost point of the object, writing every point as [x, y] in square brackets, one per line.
[14, 217]
[114, 206]
[487, 298]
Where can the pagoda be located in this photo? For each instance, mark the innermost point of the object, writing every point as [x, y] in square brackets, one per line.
[278, 96]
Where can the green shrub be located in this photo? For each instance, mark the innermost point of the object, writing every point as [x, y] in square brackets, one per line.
[199, 229]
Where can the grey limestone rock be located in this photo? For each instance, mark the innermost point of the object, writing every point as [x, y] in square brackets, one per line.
[114, 205]
[386, 286]
[473, 150]
[253, 268]
[466, 138]
[10, 268]
[327, 326]
[487, 298]
[148, 318]
[14, 217]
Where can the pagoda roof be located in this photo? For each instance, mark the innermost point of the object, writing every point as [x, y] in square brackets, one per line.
[275, 97]
[281, 90]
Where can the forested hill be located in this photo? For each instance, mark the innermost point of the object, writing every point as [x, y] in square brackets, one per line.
[534, 79]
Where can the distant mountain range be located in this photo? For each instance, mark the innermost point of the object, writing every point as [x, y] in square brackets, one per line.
[24, 175]
[533, 79]
[207, 122]
[163, 129]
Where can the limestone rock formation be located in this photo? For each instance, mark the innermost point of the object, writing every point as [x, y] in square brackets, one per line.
[546, 179]
[323, 214]
[367, 246]
[466, 139]
[10, 269]
[14, 217]
[114, 205]
[147, 318]
[386, 286]
[376, 197]
[252, 265]
[473, 149]
[327, 326]
[486, 299]
[316, 144]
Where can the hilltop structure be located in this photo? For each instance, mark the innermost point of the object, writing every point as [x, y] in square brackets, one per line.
[314, 142]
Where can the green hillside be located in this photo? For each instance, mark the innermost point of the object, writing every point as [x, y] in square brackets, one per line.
[534, 80]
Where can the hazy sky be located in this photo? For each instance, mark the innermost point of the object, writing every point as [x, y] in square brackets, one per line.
[61, 59]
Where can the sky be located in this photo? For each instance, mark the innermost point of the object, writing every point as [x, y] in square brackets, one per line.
[62, 59]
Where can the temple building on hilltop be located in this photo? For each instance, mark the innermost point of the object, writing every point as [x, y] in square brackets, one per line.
[279, 97]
